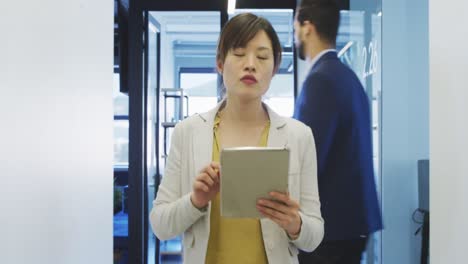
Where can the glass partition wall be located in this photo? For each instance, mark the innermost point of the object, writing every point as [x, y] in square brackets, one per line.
[359, 45]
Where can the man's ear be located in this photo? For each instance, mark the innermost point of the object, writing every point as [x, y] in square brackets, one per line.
[310, 28]
[219, 67]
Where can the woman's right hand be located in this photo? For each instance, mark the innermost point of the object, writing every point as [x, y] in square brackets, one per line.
[206, 185]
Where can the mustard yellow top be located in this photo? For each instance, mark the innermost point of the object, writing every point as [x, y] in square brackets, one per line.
[234, 240]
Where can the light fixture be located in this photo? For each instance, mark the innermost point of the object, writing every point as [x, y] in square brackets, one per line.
[231, 7]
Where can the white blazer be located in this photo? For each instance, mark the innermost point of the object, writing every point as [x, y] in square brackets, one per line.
[191, 149]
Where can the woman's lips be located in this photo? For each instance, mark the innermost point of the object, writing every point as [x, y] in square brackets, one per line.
[249, 80]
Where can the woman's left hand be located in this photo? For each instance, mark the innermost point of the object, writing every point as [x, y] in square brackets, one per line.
[282, 210]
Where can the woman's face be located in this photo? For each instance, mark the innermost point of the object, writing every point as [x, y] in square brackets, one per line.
[247, 71]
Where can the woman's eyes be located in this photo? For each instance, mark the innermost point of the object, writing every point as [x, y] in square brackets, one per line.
[258, 57]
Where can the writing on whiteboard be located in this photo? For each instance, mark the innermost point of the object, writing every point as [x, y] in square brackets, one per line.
[370, 59]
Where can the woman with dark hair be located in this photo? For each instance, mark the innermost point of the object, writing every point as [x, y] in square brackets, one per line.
[248, 56]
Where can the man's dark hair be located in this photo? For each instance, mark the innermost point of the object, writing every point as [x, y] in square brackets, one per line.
[323, 14]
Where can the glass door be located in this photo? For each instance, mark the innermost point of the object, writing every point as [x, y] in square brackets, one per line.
[151, 130]
[187, 85]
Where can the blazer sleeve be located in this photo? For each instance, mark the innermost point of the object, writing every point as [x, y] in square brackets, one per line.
[172, 212]
[318, 108]
[312, 229]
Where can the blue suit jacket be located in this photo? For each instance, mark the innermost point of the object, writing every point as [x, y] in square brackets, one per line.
[334, 104]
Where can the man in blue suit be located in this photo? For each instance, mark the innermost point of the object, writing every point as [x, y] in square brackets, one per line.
[334, 104]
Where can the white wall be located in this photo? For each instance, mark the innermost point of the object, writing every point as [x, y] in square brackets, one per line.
[449, 129]
[405, 128]
[56, 61]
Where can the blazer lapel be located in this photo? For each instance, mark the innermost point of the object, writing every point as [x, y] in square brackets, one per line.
[203, 139]
[277, 136]
[202, 145]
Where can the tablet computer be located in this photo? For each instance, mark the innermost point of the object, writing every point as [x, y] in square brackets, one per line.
[250, 173]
